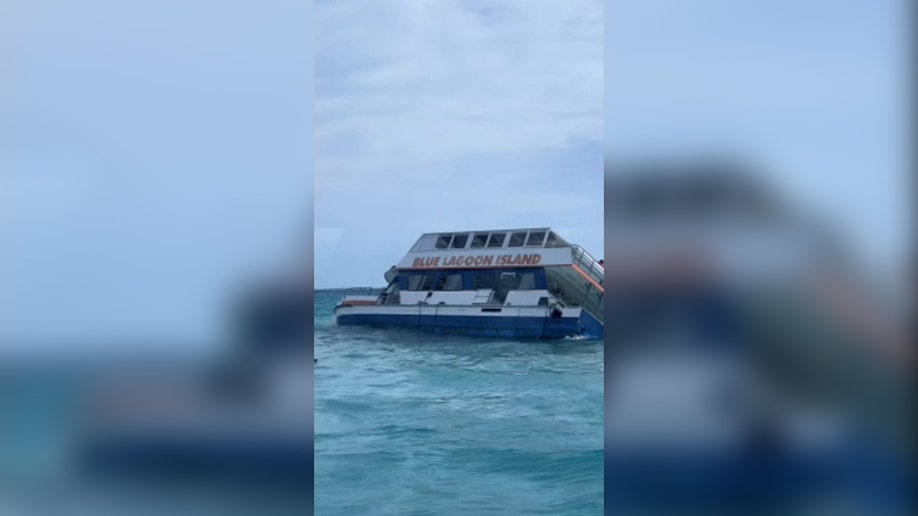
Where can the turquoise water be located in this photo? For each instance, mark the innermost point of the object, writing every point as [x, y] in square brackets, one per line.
[412, 424]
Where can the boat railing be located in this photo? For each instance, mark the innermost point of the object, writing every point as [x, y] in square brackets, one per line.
[587, 264]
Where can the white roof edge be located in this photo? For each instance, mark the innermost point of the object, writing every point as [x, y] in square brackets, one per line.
[502, 230]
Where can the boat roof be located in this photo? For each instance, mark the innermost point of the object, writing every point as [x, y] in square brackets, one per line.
[489, 239]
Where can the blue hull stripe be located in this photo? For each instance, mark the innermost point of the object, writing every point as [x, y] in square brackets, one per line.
[592, 327]
[485, 326]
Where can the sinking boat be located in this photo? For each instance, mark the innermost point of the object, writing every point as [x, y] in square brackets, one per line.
[515, 283]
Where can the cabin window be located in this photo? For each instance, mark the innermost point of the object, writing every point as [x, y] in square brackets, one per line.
[449, 282]
[517, 239]
[508, 281]
[479, 240]
[535, 239]
[420, 281]
[425, 243]
[554, 240]
[443, 241]
[484, 280]
[497, 239]
[459, 241]
[391, 295]
[527, 281]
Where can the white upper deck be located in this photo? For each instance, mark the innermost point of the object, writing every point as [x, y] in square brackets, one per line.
[526, 247]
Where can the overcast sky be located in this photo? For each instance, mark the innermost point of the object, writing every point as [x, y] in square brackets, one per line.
[448, 115]
[154, 155]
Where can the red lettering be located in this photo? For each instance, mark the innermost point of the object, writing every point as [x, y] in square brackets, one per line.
[423, 263]
[477, 261]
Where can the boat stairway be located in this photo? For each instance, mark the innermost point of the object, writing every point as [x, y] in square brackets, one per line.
[579, 284]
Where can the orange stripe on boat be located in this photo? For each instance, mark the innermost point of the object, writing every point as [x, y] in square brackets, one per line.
[588, 278]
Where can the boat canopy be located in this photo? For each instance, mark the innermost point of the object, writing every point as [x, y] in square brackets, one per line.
[492, 239]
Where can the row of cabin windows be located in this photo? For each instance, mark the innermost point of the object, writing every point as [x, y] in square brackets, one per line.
[479, 280]
[434, 282]
[496, 239]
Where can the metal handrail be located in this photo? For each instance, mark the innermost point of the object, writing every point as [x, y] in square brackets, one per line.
[587, 263]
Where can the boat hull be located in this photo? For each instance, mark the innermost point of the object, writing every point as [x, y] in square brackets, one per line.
[502, 322]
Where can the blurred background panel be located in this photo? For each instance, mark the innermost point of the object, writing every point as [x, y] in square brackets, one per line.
[155, 257]
[759, 265]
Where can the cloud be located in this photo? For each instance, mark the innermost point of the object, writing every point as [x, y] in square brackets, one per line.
[415, 83]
